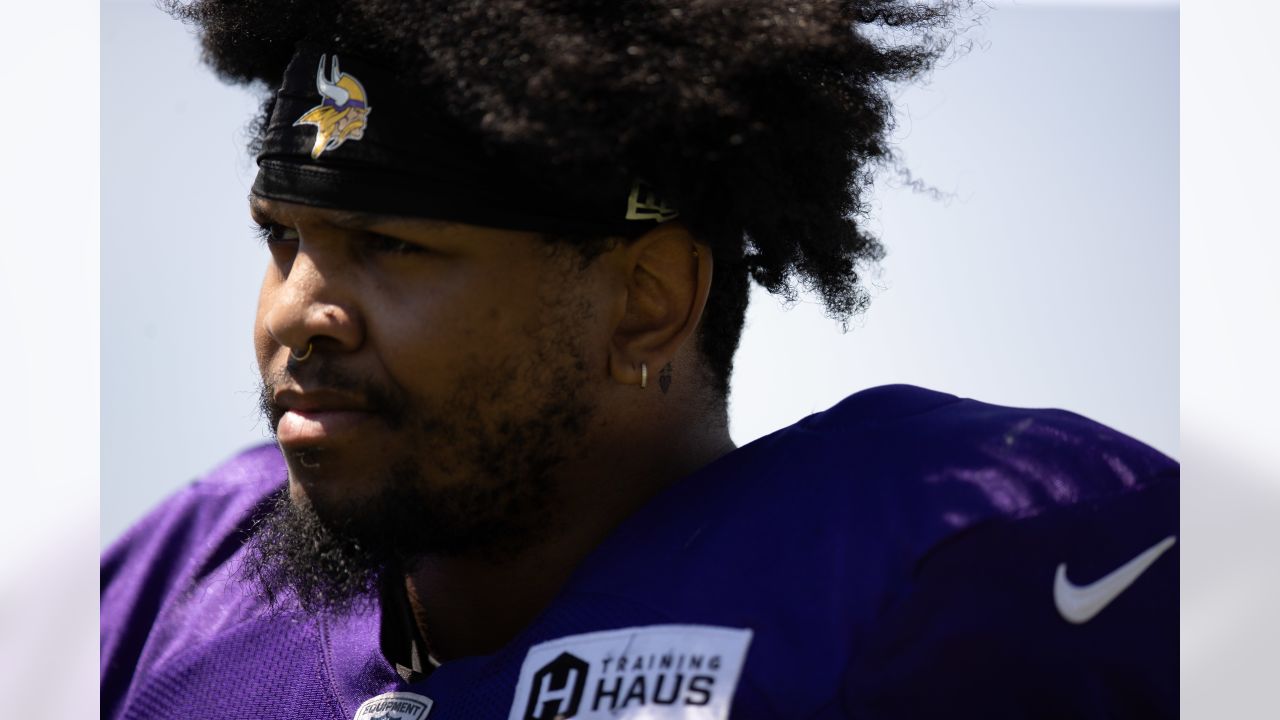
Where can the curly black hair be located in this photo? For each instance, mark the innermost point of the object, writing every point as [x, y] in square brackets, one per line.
[763, 121]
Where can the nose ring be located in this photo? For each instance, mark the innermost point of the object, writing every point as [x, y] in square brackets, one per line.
[303, 356]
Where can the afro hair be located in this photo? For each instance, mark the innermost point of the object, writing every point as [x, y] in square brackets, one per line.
[763, 121]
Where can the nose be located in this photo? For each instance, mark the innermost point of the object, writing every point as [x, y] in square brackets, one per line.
[312, 307]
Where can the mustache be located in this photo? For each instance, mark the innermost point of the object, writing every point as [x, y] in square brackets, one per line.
[387, 400]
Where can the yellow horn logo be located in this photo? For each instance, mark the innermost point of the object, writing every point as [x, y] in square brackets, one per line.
[342, 114]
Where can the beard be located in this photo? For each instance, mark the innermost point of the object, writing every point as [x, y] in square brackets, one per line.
[478, 481]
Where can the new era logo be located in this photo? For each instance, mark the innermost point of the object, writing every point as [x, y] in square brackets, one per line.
[644, 204]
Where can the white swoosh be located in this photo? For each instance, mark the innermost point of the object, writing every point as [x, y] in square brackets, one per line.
[1079, 603]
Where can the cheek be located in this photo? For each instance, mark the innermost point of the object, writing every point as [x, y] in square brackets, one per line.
[433, 338]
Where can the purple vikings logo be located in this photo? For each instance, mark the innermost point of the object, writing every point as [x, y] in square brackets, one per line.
[343, 113]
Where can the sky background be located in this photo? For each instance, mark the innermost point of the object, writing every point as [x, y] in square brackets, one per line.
[1048, 279]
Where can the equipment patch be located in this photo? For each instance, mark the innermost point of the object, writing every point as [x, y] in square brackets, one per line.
[394, 706]
[656, 672]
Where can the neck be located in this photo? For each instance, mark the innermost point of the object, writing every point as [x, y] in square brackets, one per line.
[468, 606]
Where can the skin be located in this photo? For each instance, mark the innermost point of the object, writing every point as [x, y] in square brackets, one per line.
[429, 307]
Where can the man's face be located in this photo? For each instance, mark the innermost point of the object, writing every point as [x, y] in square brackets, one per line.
[452, 370]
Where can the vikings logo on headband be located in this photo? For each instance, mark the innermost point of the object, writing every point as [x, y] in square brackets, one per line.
[342, 115]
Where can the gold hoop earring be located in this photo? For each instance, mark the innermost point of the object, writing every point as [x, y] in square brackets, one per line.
[303, 356]
[644, 375]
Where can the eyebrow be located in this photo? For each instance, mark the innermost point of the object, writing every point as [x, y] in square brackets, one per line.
[355, 220]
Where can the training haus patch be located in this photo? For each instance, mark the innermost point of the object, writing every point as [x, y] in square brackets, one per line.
[658, 672]
[394, 706]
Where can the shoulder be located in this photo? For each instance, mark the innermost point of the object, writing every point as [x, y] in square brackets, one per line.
[933, 464]
[893, 471]
[187, 537]
[1034, 545]
[951, 520]
[209, 506]
[909, 427]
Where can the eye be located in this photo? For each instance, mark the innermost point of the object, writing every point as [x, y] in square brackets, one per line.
[379, 243]
[270, 233]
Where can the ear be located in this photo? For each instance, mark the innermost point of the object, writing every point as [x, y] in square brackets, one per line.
[668, 276]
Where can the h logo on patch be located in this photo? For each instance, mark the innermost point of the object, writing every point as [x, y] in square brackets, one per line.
[557, 688]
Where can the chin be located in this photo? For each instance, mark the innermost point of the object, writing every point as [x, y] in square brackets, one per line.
[329, 481]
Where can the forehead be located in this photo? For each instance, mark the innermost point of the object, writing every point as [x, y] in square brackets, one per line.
[503, 252]
[281, 211]
[519, 246]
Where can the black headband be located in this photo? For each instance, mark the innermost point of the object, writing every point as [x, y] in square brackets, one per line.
[345, 136]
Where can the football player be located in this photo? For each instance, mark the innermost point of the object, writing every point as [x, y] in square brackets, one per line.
[510, 249]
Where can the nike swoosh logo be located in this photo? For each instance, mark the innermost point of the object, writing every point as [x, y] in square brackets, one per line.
[1079, 603]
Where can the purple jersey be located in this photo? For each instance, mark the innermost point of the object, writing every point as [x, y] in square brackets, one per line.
[906, 553]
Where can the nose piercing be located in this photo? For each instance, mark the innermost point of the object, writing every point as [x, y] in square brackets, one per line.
[303, 356]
